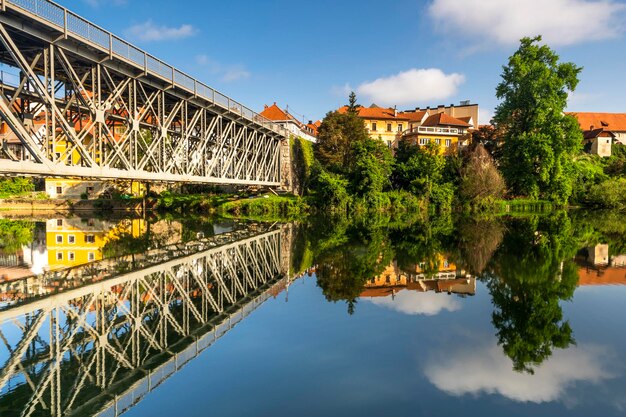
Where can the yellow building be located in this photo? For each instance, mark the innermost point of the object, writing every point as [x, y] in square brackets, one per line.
[447, 278]
[420, 126]
[449, 133]
[72, 242]
[387, 125]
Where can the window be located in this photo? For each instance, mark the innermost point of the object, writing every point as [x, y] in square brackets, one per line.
[59, 256]
[446, 264]
[389, 144]
[388, 127]
[438, 141]
[424, 141]
[71, 239]
[70, 256]
[373, 127]
[59, 190]
[59, 238]
[59, 222]
[400, 127]
[448, 143]
[90, 239]
[91, 256]
[89, 190]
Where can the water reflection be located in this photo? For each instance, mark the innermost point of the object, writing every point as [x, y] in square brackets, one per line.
[95, 338]
[99, 332]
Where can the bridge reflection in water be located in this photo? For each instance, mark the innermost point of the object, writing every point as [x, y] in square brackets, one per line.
[94, 340]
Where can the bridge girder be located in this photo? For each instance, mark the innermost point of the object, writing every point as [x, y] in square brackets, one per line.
[82, 111]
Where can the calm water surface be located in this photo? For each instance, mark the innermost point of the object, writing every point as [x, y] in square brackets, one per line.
[364, 317]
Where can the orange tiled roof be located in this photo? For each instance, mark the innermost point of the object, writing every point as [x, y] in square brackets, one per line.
[275, 113]
[608, 121]
[592, 134]
[604, 276]
[376, 113]
[414, 115]
[442, 119]
[313, 127]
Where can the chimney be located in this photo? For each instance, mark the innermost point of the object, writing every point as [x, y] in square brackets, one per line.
[395, 111]
[310, 122]
[265, 106]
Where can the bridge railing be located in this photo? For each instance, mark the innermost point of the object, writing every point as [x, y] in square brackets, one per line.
[71, 23]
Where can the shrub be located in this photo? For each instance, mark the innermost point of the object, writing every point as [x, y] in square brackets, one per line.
[608, 194]
[480, 179]
[12, 187]
[332, 189]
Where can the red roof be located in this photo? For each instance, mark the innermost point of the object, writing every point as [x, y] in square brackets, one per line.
[377, 113]
[592, 134]
[602, 276]
[414, 116]
[442, 119]
[608, 121]
[275, 113]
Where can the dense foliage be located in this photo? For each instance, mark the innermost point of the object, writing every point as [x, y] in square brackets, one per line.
[540, 140]
[15, 187]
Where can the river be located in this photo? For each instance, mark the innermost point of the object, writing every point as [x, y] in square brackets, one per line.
[370, 316]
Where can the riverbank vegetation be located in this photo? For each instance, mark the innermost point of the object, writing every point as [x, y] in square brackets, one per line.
[530, 158]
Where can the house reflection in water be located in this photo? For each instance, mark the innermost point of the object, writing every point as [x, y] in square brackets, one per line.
[447, 279]
[598, 267]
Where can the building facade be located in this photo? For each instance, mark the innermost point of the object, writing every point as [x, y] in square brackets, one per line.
[421, 126]
[289, 122]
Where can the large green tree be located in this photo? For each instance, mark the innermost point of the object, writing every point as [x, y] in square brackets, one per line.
[539, 139]
[336, 135]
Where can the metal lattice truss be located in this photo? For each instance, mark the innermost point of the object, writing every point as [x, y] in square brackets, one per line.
[100, 348]
[83, 107]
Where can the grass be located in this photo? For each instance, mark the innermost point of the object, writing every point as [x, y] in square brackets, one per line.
[525, 205]
[266, 207]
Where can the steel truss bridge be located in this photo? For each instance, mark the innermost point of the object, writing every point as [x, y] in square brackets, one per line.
[88, 104]
[94, 340]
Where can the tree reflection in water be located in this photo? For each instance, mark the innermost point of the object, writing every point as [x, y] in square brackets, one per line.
[528, 277]
[526, 264]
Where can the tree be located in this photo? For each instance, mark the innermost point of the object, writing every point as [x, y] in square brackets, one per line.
[539, 139]
[337, 133]
[419, 170]
[353, 107]
[372, 165]
[490, 138]
[480, 179]
[531, 273]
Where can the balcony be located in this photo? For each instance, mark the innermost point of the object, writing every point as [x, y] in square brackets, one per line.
[433, 130]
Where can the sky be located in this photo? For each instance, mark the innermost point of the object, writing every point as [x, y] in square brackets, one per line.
[405, 53]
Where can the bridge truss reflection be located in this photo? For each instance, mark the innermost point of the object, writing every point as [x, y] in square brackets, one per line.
[94, 340]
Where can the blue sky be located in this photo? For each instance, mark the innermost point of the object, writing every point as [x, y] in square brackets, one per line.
[408, 53]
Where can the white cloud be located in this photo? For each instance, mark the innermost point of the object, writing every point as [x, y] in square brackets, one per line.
[228, 73]
[414, 303]
[560, 22]
[235, 74]
[149, 31]
[485, 369]
[412, 86]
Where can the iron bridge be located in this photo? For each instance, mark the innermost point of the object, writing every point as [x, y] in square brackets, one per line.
[84, 103]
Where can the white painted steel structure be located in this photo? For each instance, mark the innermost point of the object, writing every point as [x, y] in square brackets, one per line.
[97, 348]
[116, 111]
